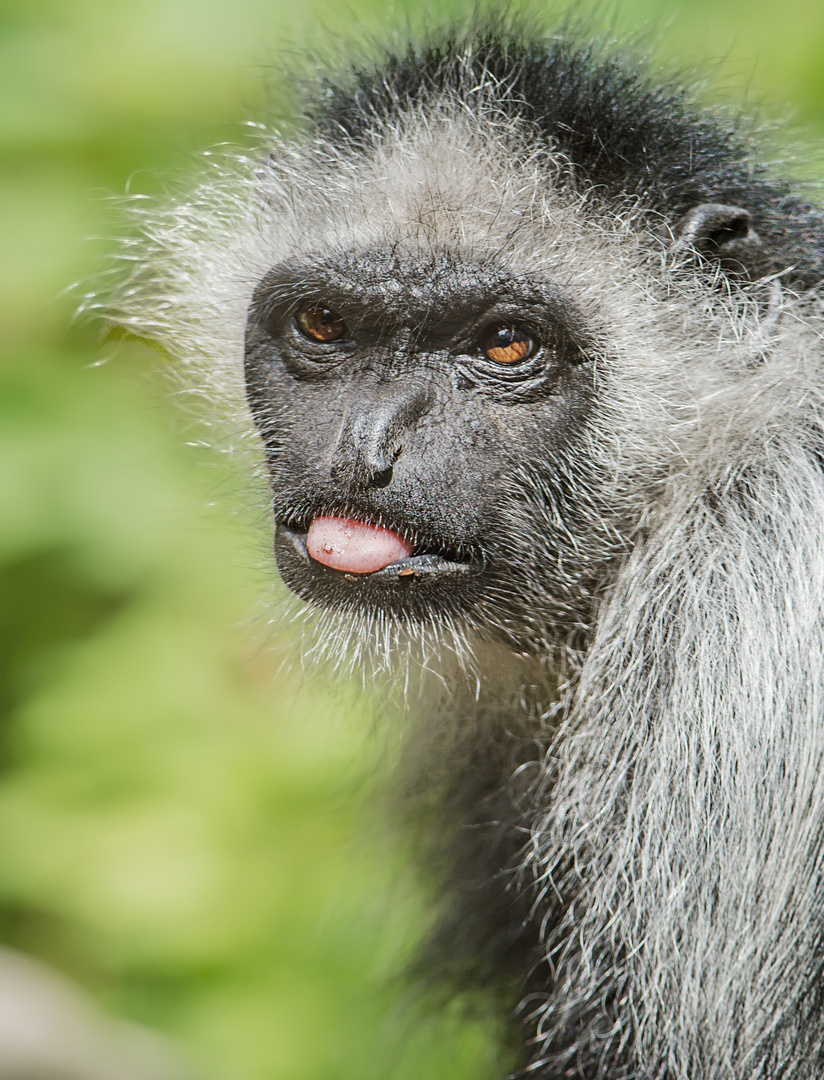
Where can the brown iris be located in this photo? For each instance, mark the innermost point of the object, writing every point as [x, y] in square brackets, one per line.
[321, 323]
[507, 345]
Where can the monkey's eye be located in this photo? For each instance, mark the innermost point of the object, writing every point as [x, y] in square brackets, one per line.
[321, 323]
[507, 344]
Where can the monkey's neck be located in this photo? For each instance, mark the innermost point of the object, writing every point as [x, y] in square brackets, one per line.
[473, 732]
[473, 760]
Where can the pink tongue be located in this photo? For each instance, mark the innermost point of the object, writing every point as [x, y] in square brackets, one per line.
[354, 547]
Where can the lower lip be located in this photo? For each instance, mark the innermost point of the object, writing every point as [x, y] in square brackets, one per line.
[411, 568]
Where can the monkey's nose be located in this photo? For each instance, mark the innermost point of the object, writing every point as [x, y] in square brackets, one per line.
[371, 437]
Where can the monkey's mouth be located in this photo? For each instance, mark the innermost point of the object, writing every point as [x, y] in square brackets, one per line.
[352, 549]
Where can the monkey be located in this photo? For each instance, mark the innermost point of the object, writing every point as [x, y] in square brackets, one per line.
[530, 343]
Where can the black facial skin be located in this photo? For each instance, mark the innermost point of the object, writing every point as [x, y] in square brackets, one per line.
[404, 421]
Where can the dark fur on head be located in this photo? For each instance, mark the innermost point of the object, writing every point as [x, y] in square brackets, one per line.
[623, 544]
[625, 132]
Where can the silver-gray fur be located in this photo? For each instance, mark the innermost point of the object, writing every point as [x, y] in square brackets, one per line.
[666, 839]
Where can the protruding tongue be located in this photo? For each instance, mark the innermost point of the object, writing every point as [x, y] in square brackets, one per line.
[354, 547]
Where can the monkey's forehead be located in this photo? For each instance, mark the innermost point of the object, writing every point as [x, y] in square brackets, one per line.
[439, 179]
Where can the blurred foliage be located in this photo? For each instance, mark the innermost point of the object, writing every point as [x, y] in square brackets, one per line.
[184, 816]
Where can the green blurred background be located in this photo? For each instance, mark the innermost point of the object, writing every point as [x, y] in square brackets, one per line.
[186, 817]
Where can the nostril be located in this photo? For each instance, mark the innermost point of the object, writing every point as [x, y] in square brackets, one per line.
[362, 470]
[381, 477]
[382, 467]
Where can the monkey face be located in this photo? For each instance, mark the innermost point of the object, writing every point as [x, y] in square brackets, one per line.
[403, 402]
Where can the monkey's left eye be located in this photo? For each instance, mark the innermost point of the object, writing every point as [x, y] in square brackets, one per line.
[508, 344]
[321, 324]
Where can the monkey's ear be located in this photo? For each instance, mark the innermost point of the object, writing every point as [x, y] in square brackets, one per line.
[723, 233]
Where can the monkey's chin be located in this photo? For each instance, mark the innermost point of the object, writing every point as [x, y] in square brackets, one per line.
[419, 587]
